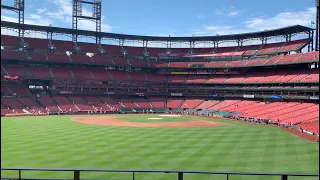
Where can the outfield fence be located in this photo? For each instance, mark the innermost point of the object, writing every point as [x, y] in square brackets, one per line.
[179, 174]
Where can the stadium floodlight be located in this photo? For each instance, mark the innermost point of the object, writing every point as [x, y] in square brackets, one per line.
[145, 53]
[123, 51]
[190, 52]
[168, 51]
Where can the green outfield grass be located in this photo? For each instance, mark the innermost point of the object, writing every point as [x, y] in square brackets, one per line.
[58, 142]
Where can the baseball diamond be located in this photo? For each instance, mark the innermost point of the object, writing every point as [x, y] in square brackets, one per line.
[231, 94]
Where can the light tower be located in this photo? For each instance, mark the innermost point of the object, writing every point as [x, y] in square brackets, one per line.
[77, 15]
[317, 26]
[18, 8]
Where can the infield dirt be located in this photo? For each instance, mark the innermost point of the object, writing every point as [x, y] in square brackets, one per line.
[112, 121]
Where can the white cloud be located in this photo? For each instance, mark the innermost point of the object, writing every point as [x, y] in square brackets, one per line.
[233, 13]
[259, 24]
[282, 19]
[230, 12]
[40, 10]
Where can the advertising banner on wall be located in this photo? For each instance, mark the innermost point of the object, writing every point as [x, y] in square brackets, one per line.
[212, 95]
[275, 97]
[176, 94]
[248, 96]
[314, 97]
[108, 92]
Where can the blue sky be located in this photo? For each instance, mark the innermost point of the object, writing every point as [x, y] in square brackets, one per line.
[175, 17]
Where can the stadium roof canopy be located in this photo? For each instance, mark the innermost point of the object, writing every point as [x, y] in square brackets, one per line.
[252, 35]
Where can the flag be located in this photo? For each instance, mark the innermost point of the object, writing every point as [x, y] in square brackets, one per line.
[312, 22]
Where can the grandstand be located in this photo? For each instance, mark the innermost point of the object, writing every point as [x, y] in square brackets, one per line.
[260, 71]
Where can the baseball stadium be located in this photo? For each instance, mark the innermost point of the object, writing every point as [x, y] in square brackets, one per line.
[72, 109]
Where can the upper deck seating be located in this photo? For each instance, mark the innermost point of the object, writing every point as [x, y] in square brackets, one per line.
[217, 64]
[293, 45]
[119, 75]
[40, 72]
[16, 55]
[159, 64]
[81, 59]
[63, 45]
[81, 73]
[137, 76]
[58, 57]
[197, 79]
[61, 72]
[310, 56]
[270, 48]
[38, 56]
[155, 78]
[176, 79]
[290, 58]
[17, 70]
[103, 60]
[88, 47]
[139, 63]
[120, 61]
[239, 63]
[179, 64]
[197, 64]
[255, 63]
[217, 79]
[37, 43]
[101, 74]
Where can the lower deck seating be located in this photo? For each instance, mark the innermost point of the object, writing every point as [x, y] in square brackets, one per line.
[96, 103]
[47, 102]
[142, 103]
[157, 102]
[81, 104]
[191, 103]
[13, 104]
[174, 102]
[110, 102]
[65, 104]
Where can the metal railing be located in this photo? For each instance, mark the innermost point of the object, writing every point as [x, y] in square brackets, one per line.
[180, 174]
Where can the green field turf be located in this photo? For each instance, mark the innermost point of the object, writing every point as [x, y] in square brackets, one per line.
[58, 142]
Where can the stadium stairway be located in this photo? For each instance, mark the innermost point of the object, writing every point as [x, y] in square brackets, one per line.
[72, 74]
[110, 74]
[4, 70]
[150, 103]
[92, 75]
[182, 103]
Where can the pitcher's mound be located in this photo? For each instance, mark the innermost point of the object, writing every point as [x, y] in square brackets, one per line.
[112, 121]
